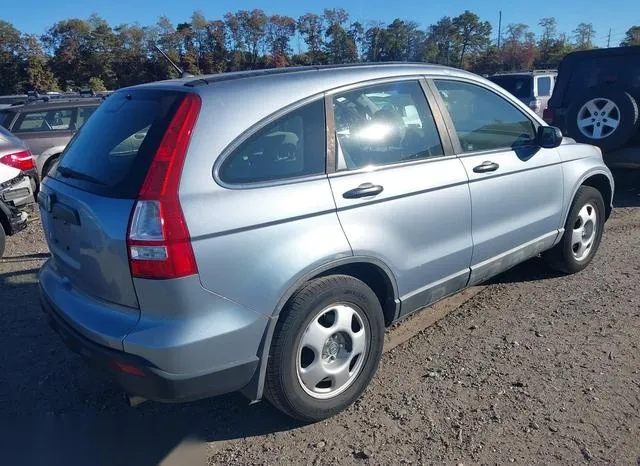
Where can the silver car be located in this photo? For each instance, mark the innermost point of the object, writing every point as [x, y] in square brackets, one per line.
[257, 231]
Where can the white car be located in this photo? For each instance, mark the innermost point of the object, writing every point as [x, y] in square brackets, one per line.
[15, 194]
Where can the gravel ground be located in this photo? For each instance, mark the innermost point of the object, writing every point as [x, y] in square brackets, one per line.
[535, 369]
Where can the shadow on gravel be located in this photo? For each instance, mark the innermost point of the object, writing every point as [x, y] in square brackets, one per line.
[55, 410]
[627, 189]
[530, 271]
[26, 257]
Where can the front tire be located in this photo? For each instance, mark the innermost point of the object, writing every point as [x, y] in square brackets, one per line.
[582, 233]
[326, 348]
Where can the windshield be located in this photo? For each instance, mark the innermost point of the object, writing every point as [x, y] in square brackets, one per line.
[518, 85]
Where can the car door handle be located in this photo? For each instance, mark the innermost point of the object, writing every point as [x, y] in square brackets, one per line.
[486, 166]
[364, 190]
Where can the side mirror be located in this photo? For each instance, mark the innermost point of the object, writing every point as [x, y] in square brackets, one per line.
[549, 137]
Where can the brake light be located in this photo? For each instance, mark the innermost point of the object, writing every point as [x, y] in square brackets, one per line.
[547, 115]
[20, 160]
[159, 243]
[127, 368]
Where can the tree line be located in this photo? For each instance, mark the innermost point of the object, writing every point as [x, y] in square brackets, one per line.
[76, 53]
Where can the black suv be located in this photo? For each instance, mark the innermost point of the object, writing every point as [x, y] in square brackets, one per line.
[47, 127]
[596, 97]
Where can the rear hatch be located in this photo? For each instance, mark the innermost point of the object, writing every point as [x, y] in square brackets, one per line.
[87, 200]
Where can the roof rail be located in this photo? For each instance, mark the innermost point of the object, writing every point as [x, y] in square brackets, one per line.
[525, 72]
[228, 76]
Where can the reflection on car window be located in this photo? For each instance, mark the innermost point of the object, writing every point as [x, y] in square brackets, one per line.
[384, 124]
[83, 114]
[131, 145]
[483, 120]
[292, 146]
[48, 120]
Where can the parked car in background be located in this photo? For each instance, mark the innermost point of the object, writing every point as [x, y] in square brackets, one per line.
[533, 88]
[596, 97]
[15, 196]
[201, 245]
[47, 127]
[15, 154]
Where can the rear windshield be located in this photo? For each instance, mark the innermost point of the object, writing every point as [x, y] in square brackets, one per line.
[5, 135]
[519, 86]
[5, 118]
[111, 153]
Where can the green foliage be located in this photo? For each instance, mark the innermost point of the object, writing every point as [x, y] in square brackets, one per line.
[632, 37]
[96, 84]
[76, 52]
[584, 35]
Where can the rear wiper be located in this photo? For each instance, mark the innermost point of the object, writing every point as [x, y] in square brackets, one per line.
[71, 173]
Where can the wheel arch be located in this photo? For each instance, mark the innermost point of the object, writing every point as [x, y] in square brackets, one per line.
[598, 179]
[603, 184]
[373, 272]
[46, 165]
[43, 158]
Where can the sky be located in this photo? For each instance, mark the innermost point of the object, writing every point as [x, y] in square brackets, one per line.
[36, 16]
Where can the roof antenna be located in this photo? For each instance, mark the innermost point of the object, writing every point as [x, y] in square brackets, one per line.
[177, 68]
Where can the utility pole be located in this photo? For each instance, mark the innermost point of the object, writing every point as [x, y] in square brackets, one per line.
[499, 28]
[609, 38]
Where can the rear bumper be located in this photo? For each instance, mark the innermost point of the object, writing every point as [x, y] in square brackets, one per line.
[139, 376]
[19, 191]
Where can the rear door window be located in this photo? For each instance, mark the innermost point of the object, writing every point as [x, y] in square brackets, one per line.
[111, 153]
[292, 146]
[59, 119]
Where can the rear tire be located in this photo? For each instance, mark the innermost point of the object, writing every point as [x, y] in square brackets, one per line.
[582, 233]
[326, 348]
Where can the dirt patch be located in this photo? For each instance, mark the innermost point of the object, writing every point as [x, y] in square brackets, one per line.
[535, 368]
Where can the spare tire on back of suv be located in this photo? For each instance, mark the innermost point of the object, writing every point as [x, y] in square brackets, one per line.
[603, 116]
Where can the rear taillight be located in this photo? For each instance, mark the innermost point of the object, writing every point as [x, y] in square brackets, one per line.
[20, 160]
[547, 115]
[159, 243]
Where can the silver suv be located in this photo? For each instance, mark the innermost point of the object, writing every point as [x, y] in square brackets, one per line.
[258, 231]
